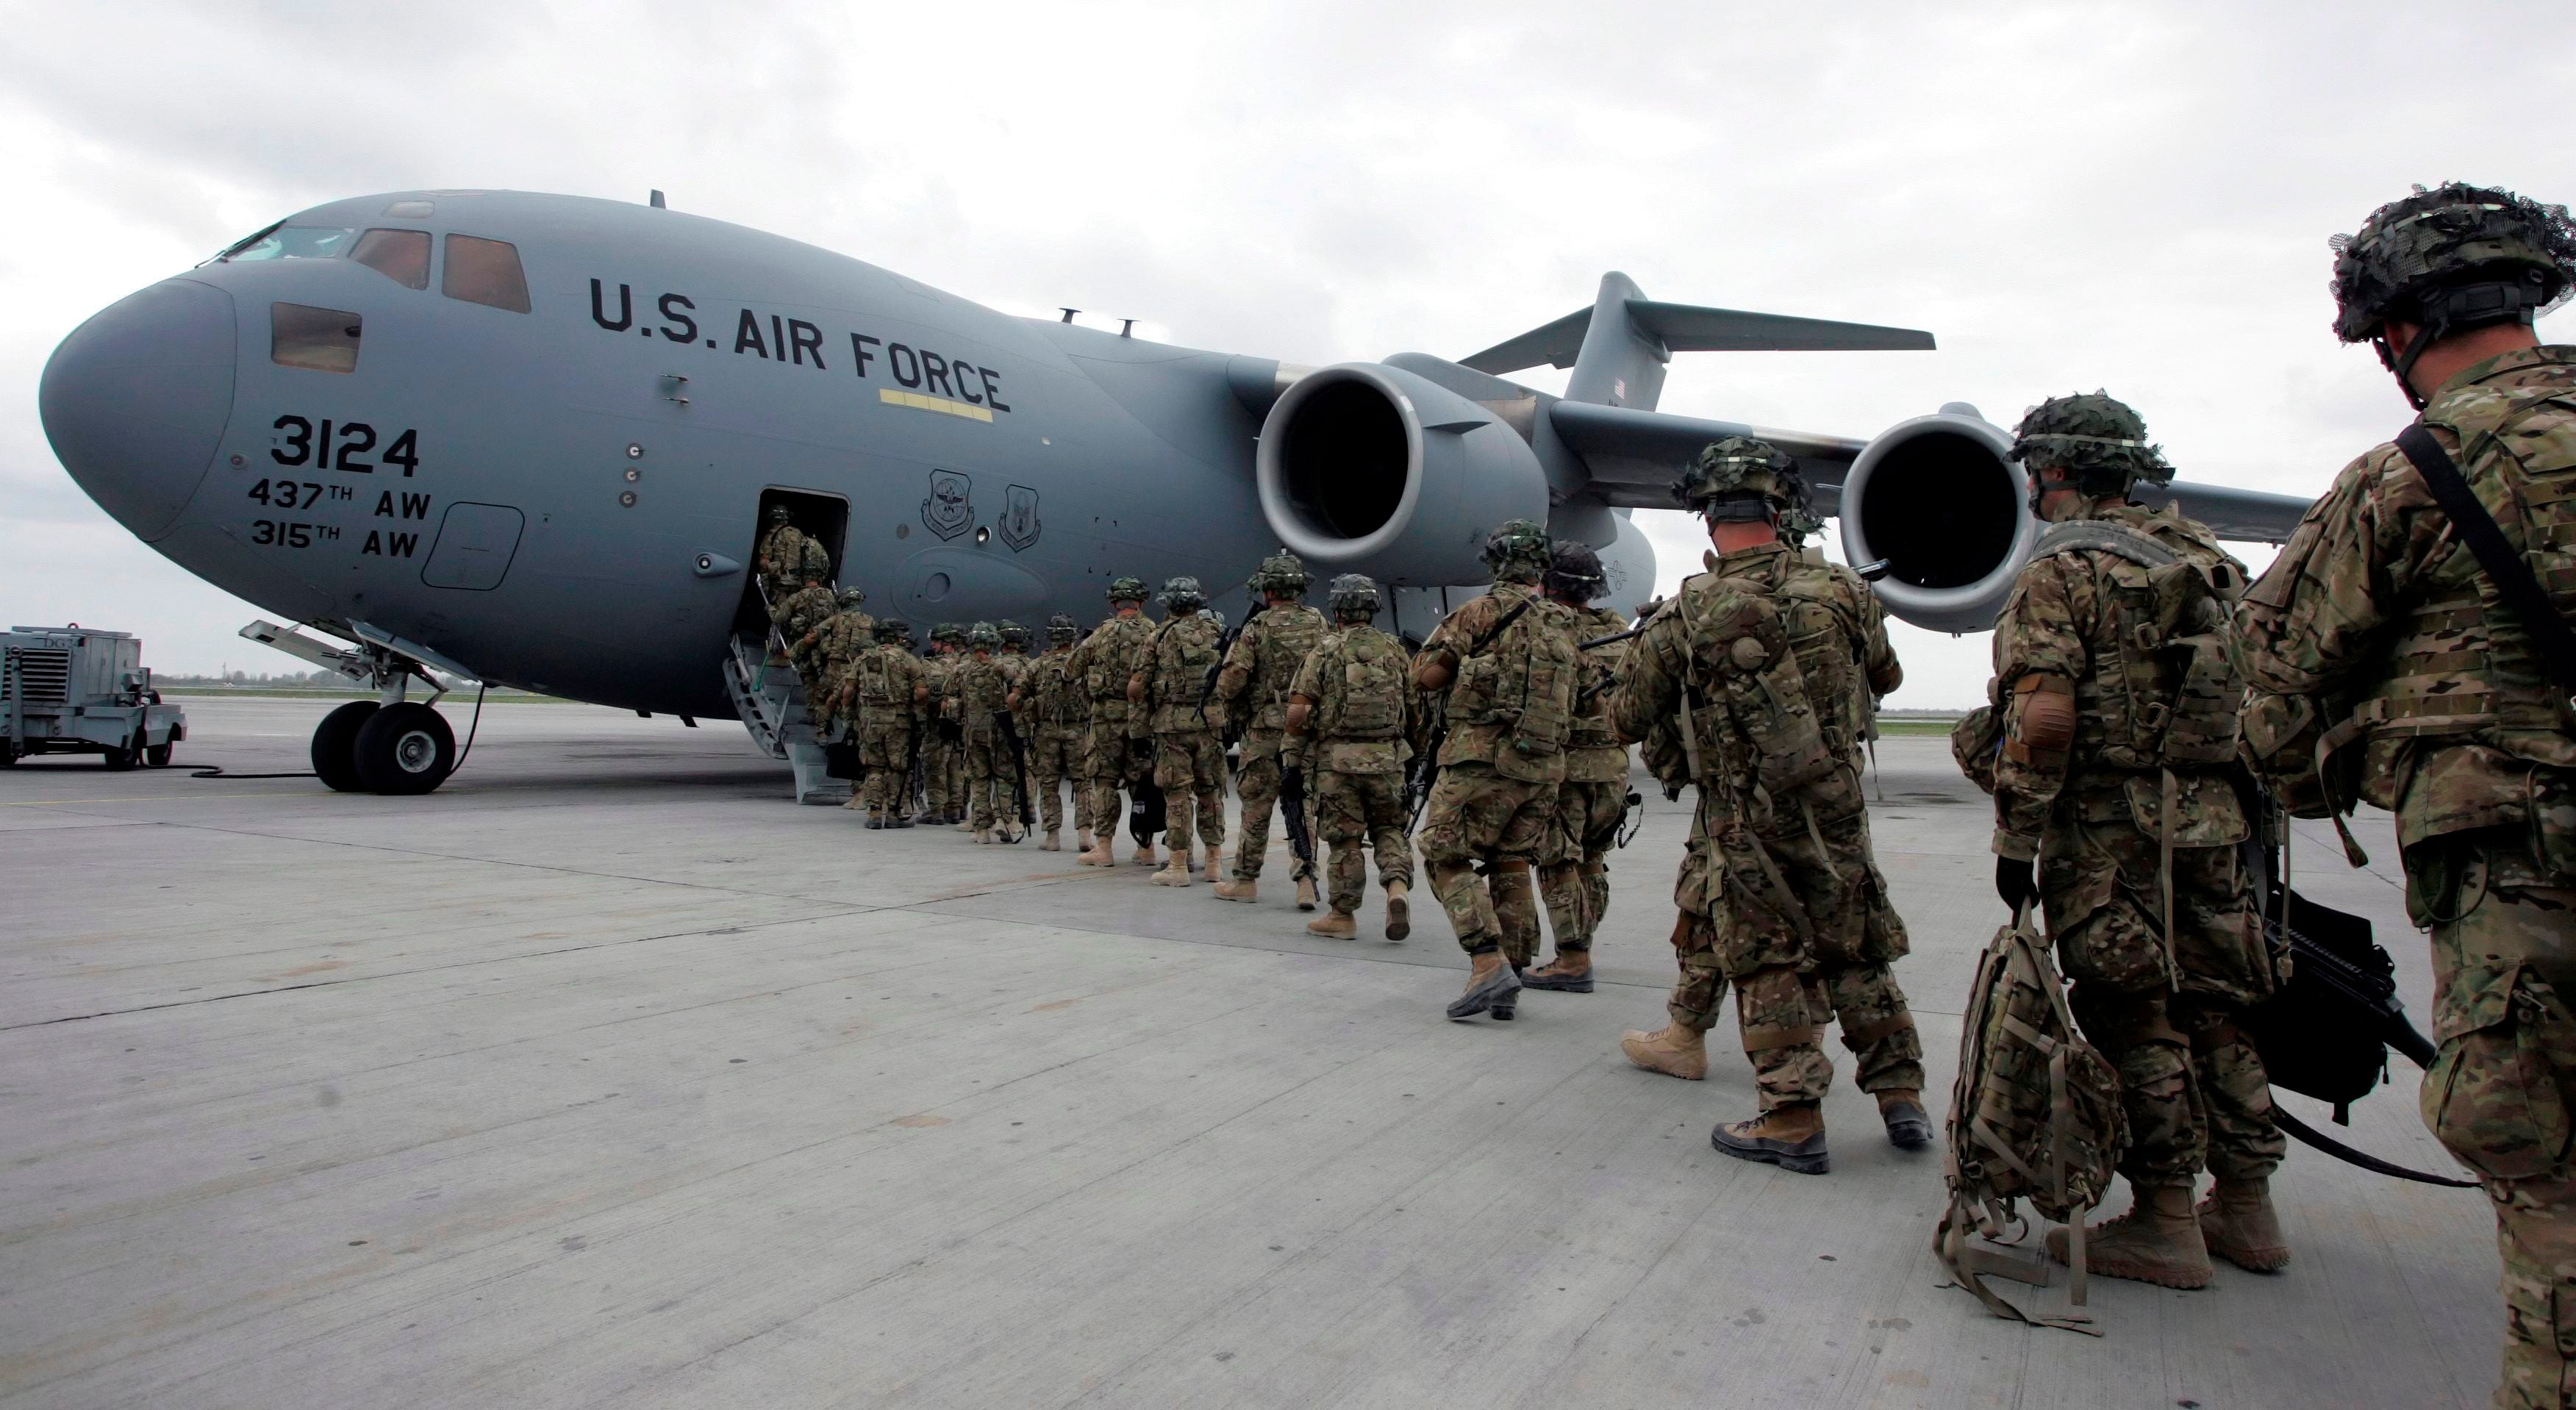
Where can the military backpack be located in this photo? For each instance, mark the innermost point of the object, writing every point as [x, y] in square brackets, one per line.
[1368, 701]
[1525, 679]
[2171, 700]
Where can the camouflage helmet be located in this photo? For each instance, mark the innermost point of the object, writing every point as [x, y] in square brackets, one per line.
[817, 563]
[1575, 571]
[1353, 597]
[947, 631]
[852, 597]
[1800, 520]
[1517, 551]
[1282, 572]
[778, 514]
[1061, 628]
[1742, 473]
[2451, 258]
[1126, 589]
[1183, 594]
[982, 635]
[2094, 434]
[892, 629]
[1013, 634]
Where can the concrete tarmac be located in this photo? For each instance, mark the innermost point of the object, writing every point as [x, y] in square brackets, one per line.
[607, 1076]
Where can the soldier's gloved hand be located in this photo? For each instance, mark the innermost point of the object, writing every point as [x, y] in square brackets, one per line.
[2017, 881]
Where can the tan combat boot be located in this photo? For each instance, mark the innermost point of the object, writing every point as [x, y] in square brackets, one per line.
[1399, 912]
[2158, 1241]
[1238, 888]
[1305, 893]
[1145, 856]
[1176, 872]
[1672, 1050]
[1083, 835]
[1335, 925]
[1052, 843]
[983, 837]
[2237, 1224]
[1214, 864]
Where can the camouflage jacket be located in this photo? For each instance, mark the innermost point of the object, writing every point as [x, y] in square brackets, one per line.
[979, 684]
[782, 553]
[1593, 753]
[840, 637]
[1261, 667]
[1174, 674]
[1878, 673]
[2377, 634]
[1370, 739]
[1051, 694]
[2069, 617]
[881, 683]
[1106, 660]
[1523, 675]
[804, 610]
[939, 674]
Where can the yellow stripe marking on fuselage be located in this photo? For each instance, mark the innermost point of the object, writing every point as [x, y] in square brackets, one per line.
[918, 402]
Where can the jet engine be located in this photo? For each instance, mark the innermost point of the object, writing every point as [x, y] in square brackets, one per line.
[1371, 469]
[1936, 500]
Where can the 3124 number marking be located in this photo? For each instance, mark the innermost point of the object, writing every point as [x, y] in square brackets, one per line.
[339, 446]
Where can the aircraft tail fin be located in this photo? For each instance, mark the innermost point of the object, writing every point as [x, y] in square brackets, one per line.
[1618, 347]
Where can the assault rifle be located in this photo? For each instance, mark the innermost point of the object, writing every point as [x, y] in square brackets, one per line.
[1019, 770]
[1426, 765]
[1292, 810]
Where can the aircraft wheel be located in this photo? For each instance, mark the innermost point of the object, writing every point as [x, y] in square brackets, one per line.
[335, 746]
[405, 749]
[158, 756]
[120, 757]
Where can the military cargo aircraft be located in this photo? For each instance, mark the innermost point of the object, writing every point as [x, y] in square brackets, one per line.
[532, 439]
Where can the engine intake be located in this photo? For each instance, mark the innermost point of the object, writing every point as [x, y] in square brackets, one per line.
[1937, 500]
[1372, 469]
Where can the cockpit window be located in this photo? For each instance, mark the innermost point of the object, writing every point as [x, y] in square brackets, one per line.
[485, 272]
[293, 242]
[400, 255]
[408, 210]
[316, 339]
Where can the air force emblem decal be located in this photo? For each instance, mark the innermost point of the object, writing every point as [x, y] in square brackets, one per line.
[1020, 526]
[949, 511]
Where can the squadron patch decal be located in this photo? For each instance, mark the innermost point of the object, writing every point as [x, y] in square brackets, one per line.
[1020, 526]
[950, 510]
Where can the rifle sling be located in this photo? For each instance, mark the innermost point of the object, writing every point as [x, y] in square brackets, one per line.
[2311, 1136]
[2550, 636]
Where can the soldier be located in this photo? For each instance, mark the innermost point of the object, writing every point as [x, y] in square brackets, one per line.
[1258, 672]
[2429, 681]
[2120, 729]
[1507, 661]
[1574, 875]
[795, 620]
[1736, 686]
[781, 555]
[1171, 684]
[1104, 663]
[942, 802]
[885, 690]
[982, 690]
[1054, 714]
[834, 643]
[1349, 714]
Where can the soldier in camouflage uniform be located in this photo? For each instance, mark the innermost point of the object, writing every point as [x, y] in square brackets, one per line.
[1738, 685]
[2116, 781]
[836, 642]
[1258, 672]
[781, 555]
[1350, 711]
[1574, 876]
[981, 688]
[1170, 689]
[2378, 646]
[1507, 663]
[1055, 715]
[795, 620]
[1103, 664]
[883, 693]
[943, 792]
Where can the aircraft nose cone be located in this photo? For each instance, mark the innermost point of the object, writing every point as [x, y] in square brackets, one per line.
[136, 399]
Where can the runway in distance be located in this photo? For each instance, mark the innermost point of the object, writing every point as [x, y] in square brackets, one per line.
[531, 440]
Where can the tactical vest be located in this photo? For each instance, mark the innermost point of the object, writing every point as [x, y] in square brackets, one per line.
[1823, 628]
[1054, 697]
[1118, 651]
[2164, 692]
[1284, 637]
[1367, 702]
[879, 682]
[1185, 659]
[1591, 726]
[1523, 681]
[2462, 663]
[1755, 689]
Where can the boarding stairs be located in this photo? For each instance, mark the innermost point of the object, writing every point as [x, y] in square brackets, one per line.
[770, 697]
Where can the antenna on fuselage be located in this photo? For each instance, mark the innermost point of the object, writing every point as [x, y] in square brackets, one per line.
[1126, 327]
[1068, 313]
[657, 201]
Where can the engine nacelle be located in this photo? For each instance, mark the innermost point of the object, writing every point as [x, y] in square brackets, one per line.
[1370, 469]
[1937, 500]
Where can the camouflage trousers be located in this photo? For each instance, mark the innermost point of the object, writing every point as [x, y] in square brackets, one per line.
[2192, 1086]
[885, 756]
[1055, 757]
[1189, 766]
[2500, 1091]
[1574, 879]
[1800, 924]
[1480, 832]
[1104, 774]
[1258, 787]
[1351, 809]
[992, 781]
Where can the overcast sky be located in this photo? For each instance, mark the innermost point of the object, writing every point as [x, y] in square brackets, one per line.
[2133, 197]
